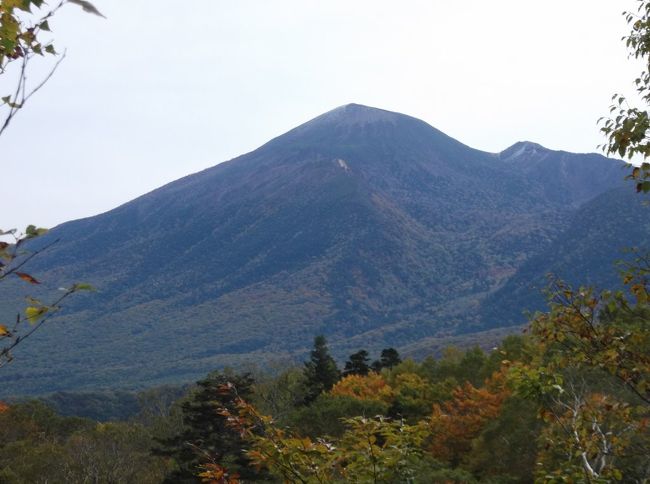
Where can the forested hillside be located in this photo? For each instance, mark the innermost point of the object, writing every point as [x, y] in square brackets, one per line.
[568, 406]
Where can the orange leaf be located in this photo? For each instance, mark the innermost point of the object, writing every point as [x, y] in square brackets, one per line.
[27, 278]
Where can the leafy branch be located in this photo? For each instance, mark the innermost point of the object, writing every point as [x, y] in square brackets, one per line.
[20, 42]
[12, 260]
[627, 128]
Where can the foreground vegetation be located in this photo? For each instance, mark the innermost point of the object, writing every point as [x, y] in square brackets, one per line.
[567, 402]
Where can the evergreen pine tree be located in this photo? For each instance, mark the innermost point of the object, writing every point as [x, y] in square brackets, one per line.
[321, 371]
[389, 358]
[357, 364]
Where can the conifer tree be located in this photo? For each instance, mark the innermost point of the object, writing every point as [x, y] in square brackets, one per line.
[206, 435]
[389, 358]
[357, 364]
[321, 371]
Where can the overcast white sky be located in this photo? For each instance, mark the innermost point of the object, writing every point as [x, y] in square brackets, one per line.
[156, 92]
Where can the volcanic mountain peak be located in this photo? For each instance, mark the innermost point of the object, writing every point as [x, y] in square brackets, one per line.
[356, 114]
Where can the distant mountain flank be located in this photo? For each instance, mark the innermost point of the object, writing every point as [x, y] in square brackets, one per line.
[368, 226]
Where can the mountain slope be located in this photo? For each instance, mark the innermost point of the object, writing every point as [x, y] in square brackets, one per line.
[369, 226]
[600, 232]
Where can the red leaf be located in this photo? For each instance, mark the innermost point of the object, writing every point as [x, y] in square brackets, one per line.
[27, 277]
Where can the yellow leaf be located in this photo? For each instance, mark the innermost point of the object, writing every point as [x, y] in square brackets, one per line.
[3, 331]
[33, 314]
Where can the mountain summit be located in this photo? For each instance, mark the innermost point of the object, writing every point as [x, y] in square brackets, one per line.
[368, 226]
[356, 115]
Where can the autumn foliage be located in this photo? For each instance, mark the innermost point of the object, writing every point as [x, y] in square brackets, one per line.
[592, 430]
[455, 423]
[371, 450]
[368, 387]
[213, 473]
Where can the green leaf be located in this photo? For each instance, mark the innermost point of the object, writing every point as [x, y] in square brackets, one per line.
[32, 231]
[83, 287]
[24, 5]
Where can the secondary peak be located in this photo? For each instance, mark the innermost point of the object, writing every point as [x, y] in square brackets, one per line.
[521, 148]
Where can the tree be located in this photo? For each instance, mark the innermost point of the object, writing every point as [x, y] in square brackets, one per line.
[320, 371]
[591, 379]
[471, 365]
[455, 423]
[389, 358]
[516, 427]
[281, 394]
[357, 364]
[39, 446]
[627, 132]
[600, 330]
[370, 450]
[112, 452]
[587, 435]
[207, 437]
[325, 416]
[412, 396]
[364, 387]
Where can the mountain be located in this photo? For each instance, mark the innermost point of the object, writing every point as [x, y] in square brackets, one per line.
[601, 232]
[365, 225]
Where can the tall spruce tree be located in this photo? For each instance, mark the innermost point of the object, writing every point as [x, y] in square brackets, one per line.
[321, 371]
